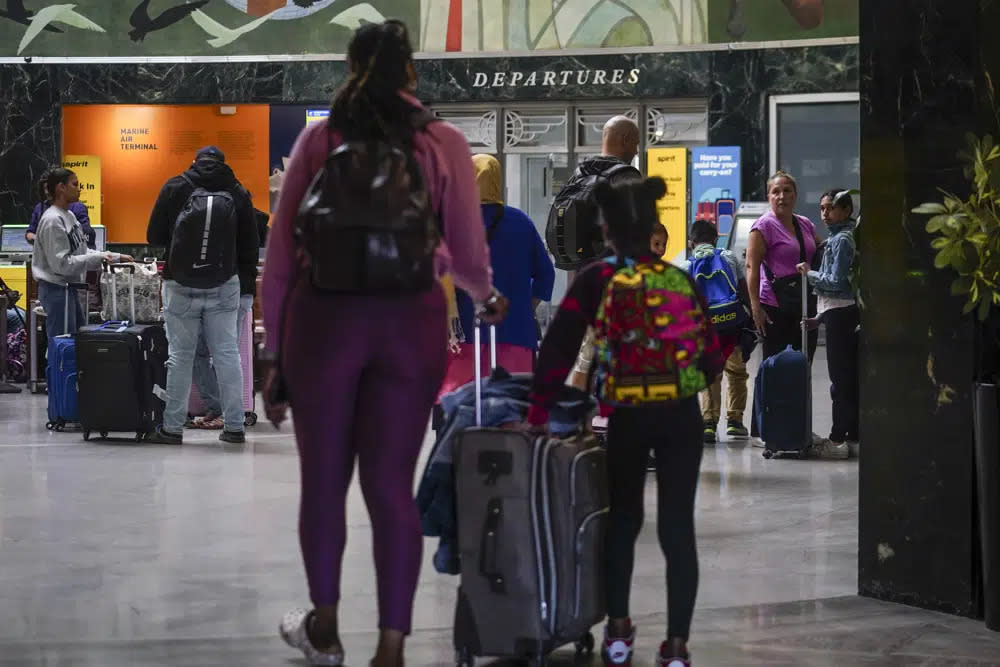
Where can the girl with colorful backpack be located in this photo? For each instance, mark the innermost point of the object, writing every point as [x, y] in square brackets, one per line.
[655, 349]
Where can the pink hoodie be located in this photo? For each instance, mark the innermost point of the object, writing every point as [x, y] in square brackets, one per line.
[444, 155]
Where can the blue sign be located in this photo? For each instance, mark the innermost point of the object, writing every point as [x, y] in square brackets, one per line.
[715, 185]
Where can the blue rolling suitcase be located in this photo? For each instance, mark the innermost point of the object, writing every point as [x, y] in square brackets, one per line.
[60, 379]
[783, 397]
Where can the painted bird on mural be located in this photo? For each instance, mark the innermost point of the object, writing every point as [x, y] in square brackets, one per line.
[223, 36]
[143, 24]
[65, 14]
[17, 13]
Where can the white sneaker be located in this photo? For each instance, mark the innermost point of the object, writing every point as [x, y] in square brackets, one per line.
[855, 447]
[756, 442]
[828, 449]
[293, 631]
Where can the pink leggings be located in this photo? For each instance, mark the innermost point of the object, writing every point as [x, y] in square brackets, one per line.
[363, 374]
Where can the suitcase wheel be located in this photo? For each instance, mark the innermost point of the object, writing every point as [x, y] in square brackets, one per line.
[86, 435]
[586, 645]
[249, 418]
[139, 435]
[464, 658]
[768, 454]
[104, 434]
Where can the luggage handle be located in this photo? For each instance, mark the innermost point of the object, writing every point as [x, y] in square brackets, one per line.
[66, 306]
[489, 546]
[120, 265]
[805, 351]
[118, 326]
[479, 367]
[114, 287]
[805, 315]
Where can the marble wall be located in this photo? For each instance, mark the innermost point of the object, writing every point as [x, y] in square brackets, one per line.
[737, 83]
[922, 87]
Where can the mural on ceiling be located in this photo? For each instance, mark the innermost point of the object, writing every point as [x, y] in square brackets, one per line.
[534, 25]
[140, 28]
[780, 20]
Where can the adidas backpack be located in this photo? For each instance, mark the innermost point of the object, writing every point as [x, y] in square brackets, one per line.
[366, 225]
[714, 277]
[573, 232]
[653, 339]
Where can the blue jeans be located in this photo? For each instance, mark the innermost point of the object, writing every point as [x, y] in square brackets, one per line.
[53, 299]
[204, 373]
[187, 312]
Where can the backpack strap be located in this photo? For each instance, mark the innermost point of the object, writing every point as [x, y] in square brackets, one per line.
[491, 229]
[609, 173]
[802, 250]
[188, 180]
[421, 118]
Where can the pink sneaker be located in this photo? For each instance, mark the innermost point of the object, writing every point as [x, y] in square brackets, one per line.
[617, 651]
[663, 661]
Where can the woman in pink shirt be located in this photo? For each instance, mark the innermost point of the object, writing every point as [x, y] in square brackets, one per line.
[779, 241]
[363, 371]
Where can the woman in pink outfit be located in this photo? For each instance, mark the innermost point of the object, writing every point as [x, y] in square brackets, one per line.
[363, 371]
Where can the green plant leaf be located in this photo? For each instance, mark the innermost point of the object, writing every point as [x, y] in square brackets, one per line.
[940, 242]
[931, 208]
[968, 307]
[964, 257]
[961, 285]
[936, 224]
[943, 258]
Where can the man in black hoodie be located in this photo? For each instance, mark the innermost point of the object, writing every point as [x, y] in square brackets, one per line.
[205, 219]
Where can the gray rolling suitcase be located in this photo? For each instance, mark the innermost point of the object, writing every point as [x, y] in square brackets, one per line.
[532, 514]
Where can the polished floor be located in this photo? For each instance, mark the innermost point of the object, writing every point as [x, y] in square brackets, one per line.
[113, 554]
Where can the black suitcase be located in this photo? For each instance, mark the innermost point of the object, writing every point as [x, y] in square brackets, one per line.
[122, 372]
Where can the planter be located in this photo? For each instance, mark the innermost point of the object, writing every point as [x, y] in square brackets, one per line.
[986, 415]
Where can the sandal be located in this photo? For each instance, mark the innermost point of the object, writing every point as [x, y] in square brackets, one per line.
[208, 423]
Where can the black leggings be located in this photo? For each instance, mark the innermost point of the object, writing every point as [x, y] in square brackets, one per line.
[674, 433]
[786, 329]
[842, 363]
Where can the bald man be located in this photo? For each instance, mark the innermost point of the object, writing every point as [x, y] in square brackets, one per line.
[574, 206]
[620, 141]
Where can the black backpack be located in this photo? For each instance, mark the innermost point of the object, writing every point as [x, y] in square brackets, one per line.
[203, 244]
[366, 224]
[573, 232]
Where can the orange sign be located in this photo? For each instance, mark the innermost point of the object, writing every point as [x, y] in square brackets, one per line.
[140, 147]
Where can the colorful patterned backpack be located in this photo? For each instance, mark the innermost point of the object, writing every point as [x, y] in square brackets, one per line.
[654, 341]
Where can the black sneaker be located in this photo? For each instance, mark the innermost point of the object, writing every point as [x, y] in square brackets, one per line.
[233, 437]
[161, 437]
[736, 430]
[710, 437]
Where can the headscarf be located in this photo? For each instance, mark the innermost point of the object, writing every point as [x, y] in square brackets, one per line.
[489, 178]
